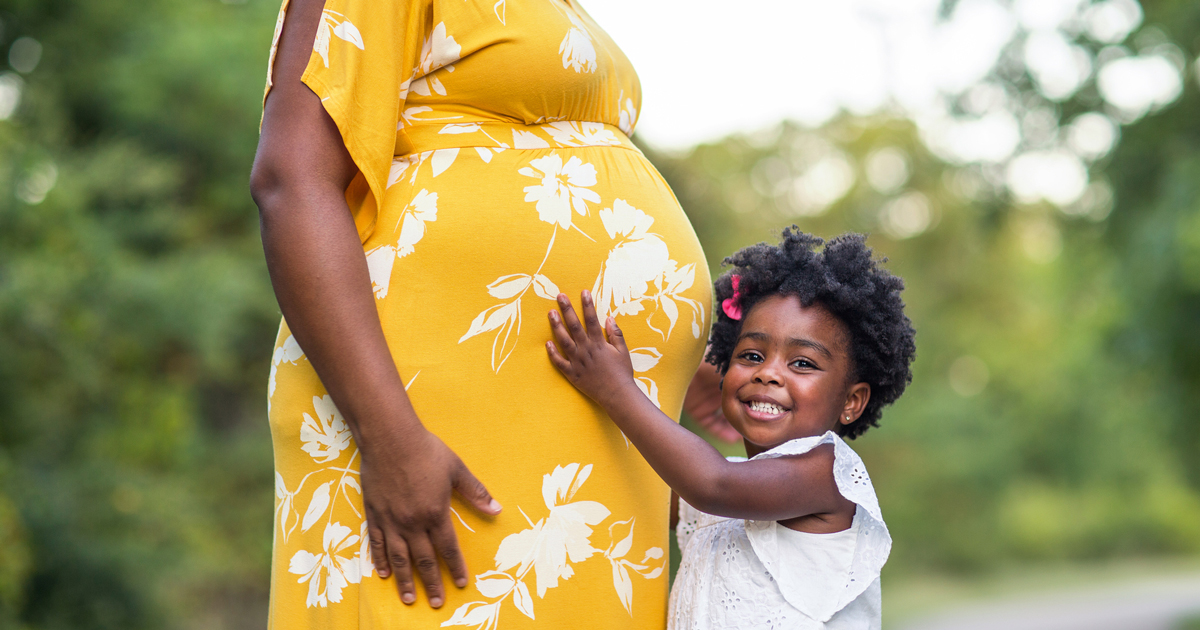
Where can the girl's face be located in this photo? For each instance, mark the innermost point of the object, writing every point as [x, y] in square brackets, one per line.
[789, 376]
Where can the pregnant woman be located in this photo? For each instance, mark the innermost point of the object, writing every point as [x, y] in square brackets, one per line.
[430, 175]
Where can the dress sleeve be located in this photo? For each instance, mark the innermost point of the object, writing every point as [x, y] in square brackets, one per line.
[365, 55]
[873, 543]
[689, 519]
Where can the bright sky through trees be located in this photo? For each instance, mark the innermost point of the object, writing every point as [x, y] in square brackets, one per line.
[709, 69]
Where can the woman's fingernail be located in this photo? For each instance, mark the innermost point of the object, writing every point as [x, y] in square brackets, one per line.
[495, 505]
[408, 598]
[435, 602]
[461, 582]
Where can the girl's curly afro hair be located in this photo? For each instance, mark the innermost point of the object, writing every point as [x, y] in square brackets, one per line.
[846, 281]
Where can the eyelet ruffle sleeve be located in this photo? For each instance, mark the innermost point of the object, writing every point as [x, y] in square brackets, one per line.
[873, 543]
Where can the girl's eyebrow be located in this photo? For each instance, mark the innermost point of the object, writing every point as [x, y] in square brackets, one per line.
[791, 342]
[809, 343]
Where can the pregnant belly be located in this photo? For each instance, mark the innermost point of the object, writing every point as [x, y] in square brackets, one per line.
[471, 233]
[469, 254]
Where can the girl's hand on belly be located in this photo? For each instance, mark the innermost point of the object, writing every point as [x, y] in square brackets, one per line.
[598, 367]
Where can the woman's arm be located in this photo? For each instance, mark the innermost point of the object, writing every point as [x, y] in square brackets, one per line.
[769, 489]
[320, 276]
[703, 403]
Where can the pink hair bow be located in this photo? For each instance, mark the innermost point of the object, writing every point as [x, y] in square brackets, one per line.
[733, 305]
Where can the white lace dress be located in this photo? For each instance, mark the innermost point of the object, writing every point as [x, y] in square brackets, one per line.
[761, 575]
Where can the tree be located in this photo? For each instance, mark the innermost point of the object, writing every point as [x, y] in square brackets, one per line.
[135, 316]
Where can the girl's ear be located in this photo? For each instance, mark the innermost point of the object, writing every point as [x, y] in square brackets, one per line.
[856, 401]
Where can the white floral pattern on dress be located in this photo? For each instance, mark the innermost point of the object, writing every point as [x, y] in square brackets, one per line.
[628, 118]
[562, 538]
[409, 116]
[578, 52]
[438, 159]
[283, 507]
[550, 547]
[621, 566]
[334, 23]
[380, 261]
[289, 352]
[563, 187]
[326, 436]
[638, 265]
[528, 140]
[438, 51]
[505, 318]
[644, 360]
[336, 570]
[411, 227]
[275, 45]
[329, 570]
[581, 134]
[485, 153]
[421, 209]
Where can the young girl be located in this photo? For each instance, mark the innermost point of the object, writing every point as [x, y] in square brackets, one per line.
[811, 345]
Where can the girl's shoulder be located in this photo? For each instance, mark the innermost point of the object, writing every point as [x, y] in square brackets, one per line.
[794, 560]
[849, 472]
[869, 545]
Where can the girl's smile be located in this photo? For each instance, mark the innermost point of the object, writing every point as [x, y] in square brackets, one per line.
[765, 408]
[791, 375]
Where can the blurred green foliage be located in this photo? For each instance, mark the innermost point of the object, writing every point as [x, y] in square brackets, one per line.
[136, 319]
[1031, 430]
[1052, 414]
[1190, 623]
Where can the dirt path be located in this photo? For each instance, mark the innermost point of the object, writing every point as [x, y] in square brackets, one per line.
[1148, 604]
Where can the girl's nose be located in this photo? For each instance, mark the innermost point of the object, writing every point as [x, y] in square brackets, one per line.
[767, 374]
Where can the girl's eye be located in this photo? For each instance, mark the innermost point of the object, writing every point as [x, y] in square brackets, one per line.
[803, 364]
[750, 355]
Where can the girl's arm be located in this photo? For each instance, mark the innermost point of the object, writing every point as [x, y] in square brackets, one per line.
[320, 276]
[768, 489]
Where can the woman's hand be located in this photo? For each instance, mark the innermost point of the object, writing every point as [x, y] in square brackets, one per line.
[703, 403]
[406, 493]
[598, 367]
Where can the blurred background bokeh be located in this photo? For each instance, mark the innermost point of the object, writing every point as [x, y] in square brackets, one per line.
[1044, 212]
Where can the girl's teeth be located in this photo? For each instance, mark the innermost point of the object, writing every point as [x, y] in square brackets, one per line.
[765, 407]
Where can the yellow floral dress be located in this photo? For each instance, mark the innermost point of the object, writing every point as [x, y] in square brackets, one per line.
[496, 170]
